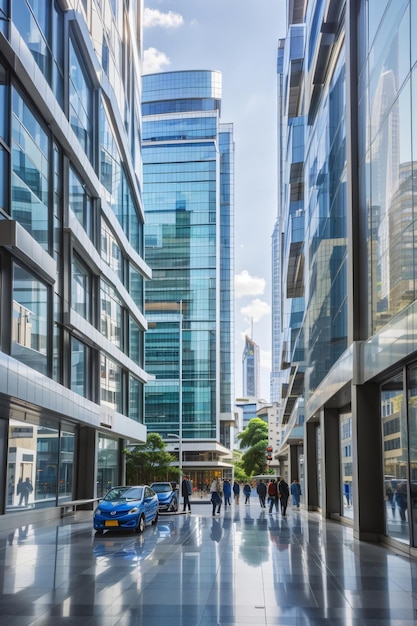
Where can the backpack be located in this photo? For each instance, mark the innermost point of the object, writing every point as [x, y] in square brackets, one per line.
[272, 489]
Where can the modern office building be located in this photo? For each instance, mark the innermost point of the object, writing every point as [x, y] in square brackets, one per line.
[188, 159]
[71, 249]
[348, 117]
[251, 368]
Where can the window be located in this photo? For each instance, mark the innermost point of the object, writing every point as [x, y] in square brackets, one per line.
[30, 320]
[30, 177]
[80, 202]
[80, 100]
[81, 289]
[79, 363]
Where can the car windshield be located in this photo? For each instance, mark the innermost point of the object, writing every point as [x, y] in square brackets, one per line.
[124, 493]
[162, 488]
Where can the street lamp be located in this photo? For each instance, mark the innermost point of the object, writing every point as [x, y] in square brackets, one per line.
[179, 461]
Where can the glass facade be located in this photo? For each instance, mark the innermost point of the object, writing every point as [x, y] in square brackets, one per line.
[347, 228]
[188, 158]
[72, 270]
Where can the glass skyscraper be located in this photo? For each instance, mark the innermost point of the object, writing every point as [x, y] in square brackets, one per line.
[188, 157]
[347, 72]
[72, 270]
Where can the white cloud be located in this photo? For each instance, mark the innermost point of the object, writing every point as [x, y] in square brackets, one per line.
[265, 358]
[154, 17]
[154, 60]
[247, 285]
[256, 310]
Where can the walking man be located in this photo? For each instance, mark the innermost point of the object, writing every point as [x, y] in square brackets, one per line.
[186, 492]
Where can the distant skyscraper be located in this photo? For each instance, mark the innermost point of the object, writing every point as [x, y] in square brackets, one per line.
[250, 368]
[188, 196]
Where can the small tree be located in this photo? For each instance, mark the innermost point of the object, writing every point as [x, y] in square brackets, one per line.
[149, 462]
[254, 439]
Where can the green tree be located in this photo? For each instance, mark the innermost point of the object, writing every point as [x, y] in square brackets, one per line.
[149, 462]
[239, 471]
[254, 441]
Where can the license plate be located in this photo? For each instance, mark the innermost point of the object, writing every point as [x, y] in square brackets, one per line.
[111, 522]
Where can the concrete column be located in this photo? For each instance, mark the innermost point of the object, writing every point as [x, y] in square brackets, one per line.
[330, 462]
[86, 459]
[368, 491]
[294, 470]
[4, 437]
[310, 467]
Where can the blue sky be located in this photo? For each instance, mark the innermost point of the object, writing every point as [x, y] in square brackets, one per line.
[239, 38]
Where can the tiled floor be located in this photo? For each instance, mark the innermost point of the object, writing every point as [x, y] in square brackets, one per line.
[242, 567]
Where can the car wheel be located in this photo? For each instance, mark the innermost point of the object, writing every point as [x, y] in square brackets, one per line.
[155, 519]
[141, 524]
[174, 505]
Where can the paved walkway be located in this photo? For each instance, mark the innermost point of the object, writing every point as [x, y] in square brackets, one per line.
[244, 567]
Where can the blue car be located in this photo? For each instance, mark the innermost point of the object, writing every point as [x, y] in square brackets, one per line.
[129, 508]
[167, 496]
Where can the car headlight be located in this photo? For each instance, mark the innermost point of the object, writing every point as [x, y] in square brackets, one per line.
[134, 510]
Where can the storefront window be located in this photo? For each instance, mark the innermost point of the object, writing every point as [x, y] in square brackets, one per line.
[39, 465]
[107, 466]
[395, 456]
[346, 464]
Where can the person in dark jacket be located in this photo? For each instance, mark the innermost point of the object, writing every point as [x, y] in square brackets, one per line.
[284, 493]
[273, 495]
[227, 492]
[247, 491]
[261, 491]
[296, 493]
[236, 491]
[186, 492]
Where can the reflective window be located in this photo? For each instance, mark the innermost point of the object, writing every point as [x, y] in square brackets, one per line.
[110, 384]
[136, 286]
[395, 458]
[4, 105]
[107, 464]
[110, 314]
[66, 463]
[30, 320]
[110, 250]
[30, 177]
[346, 464]
[135, 399]
[80, 202]
[81, 292]
[39, 465]
[135, 342]
[80, 100]
[79, 367]
[119, 193]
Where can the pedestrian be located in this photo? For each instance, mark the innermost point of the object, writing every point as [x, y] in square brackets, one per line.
[247, 491]
[227, 492]
[186, 492]
[261, 491]
[273, 495]
[24, 488]
[296, 493]
[216, 495]
[401, 500]
[236, 491]
[284, 494]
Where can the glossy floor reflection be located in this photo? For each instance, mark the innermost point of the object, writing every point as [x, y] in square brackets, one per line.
[242, 567]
